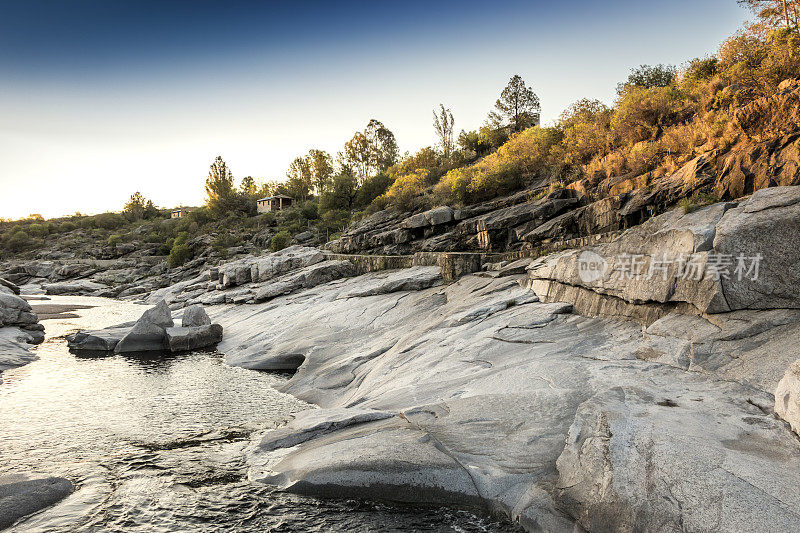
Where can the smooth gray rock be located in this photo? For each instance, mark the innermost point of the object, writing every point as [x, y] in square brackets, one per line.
[515, 396]
[304, 278]
[79, 287]
[15, 347]
[21, 495]
[787, 396]
[10, 286]
[439, 215]
[182, 339]
[766, 224]
[101, 340]
[195, 315]
[149, 332]
[407, 279]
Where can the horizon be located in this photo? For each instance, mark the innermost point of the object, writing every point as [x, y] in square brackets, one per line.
[107, 100]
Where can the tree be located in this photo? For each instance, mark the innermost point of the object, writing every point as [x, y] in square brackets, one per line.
[219, 184]
[382, 146]
[248, 186]
[320, 167]
[649, 76]
[443, 124]
[775, 12]
[299, 181]
[222, 197]
[341, 195]
[369, 152]
[138, 207]
[518, 105]
[356, 156]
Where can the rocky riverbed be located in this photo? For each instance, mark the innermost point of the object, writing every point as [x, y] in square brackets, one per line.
[613, 403]
[650, 382]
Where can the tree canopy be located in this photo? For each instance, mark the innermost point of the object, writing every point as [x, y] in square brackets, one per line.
[517, 108]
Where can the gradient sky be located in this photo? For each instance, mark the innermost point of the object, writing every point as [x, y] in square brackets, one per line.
[99, 99]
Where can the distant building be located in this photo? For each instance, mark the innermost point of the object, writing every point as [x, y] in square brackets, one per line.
[274, 203]
[179, 212]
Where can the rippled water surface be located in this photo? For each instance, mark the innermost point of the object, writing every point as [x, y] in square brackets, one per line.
[156, 444]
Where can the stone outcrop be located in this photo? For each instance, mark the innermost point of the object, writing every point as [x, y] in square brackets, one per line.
[194, 316]
[155, 331]
[628, 405]
[725, 257]
[184, 339]
[149, 333]
[19, 327]
[22, 495]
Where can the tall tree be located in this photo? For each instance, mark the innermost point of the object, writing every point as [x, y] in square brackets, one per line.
[219, 184]
[775, 12]
[444, 125]
[357, 156]
[248, 186]
[299, 180]
[320, 165]
[518, 106]
[138, 207]
[383, 149]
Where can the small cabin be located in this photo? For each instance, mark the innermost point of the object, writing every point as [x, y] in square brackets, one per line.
[179, 212]
[274, 203]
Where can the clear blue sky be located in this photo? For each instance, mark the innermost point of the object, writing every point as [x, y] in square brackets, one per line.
[99, 99]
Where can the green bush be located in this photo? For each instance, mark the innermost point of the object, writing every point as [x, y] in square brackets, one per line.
[67, 226]
[178, 256]
[109, 220]
[114, 240]
[19, 241]
[37, 230]
[280, 241]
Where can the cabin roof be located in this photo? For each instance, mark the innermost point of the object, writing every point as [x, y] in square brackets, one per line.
[275, 196]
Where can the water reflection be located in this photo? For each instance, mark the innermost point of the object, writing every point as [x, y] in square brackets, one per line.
[155, 443]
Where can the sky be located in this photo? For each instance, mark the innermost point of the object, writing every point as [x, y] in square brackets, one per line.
[99, 99]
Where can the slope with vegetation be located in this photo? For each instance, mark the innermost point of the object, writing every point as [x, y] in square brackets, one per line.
[718, 128]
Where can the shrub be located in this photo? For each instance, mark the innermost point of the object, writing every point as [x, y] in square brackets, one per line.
[696, 201]
[372, 188]
[66, 227]
[280, 241]
[506, 170]
[19, 241]
[109, 220]
[114, 240]
[179, 255]
[406, 188]
[642, 113]
[37, 230]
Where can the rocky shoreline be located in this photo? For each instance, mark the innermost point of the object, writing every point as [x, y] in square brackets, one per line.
[621, 404]
[635, 397]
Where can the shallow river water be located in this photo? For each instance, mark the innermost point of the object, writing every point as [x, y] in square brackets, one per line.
[156, 444]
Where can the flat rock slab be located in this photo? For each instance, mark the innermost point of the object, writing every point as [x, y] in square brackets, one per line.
[21, 496]
[101, 340]
[184, 339]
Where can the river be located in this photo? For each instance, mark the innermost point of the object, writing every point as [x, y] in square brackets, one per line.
[156, 444]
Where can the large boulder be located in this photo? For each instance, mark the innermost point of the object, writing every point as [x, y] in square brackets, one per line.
[102, 340]
[724, 257]
[21, 495]
[149, 332]
[8, 285]
[185, 338]
[195, 315]
[305, 278]
[78, 287]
